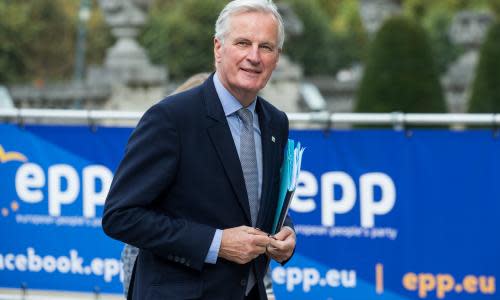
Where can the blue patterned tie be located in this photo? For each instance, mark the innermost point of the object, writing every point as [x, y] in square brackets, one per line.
[248, 159]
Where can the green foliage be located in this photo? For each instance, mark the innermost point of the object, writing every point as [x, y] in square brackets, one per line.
[313, 48]
[13, 41]
[182, 36]
[51, 54]
[436, 17]
[437, 24]
[331, 8]
[350, 34]
[37, 40]
[400, 73]
[320, 49]
[421, 8]
[486, 88]
[495, 7]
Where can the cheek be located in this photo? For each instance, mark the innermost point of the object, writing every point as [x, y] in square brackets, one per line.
[271, 64]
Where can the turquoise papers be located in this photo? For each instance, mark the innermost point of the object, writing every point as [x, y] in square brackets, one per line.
[289, 174]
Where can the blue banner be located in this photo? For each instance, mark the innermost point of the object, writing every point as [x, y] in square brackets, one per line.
[382, 214]
[54, 180]
[379, 214]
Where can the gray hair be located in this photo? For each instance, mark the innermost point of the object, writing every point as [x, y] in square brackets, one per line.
[242, 6]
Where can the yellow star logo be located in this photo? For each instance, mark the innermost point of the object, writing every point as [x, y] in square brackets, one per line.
[11, 156]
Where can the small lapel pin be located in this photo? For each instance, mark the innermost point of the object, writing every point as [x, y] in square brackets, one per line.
[273, 139]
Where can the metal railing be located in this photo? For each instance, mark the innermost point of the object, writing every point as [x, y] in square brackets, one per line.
[396, 119]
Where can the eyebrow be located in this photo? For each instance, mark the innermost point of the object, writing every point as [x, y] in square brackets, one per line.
[241, 40]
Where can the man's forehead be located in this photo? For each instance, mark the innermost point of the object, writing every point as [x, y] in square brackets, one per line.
[234, 30]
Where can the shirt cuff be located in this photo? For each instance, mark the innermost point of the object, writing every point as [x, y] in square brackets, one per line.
[213, 252]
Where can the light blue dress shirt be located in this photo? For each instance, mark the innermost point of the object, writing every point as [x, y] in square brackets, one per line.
[231, 105]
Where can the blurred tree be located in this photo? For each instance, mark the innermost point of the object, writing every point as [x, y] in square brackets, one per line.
[330, 7]
[14, 37]
[400, 74]
[436, 18]
[421, 8]
[181, 36]
[437, 24]
[495, 7]
[37, 39]
[49, 52]
[333, 36]
[349, 34]
[486, 87]
[313, 49]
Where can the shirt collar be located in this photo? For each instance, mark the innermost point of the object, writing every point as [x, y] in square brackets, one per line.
[229, 103]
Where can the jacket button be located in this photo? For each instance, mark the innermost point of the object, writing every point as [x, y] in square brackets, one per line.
[243, 282]
[170, 256]
[176, 259]
[183, 260]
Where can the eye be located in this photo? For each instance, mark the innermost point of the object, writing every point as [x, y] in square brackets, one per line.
[268, 48]
[242, 43]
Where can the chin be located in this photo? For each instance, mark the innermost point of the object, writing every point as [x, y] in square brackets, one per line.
[250, 85]
[251, 88]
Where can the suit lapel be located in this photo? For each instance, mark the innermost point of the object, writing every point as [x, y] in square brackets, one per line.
[222, 140]
[269, 139]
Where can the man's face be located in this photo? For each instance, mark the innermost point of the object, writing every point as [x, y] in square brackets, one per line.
[249, 54]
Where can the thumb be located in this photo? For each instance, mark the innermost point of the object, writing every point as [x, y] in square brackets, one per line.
[284, 233]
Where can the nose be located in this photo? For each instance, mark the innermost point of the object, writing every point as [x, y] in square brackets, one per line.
[253, 55]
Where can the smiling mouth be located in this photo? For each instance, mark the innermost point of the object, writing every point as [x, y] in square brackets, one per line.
[251, 71]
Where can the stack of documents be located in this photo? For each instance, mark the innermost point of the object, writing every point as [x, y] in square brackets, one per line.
[290, 169]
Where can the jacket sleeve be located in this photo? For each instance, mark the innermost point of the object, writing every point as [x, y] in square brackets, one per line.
[143, 177]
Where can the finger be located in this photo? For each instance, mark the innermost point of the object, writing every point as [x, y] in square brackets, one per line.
[280, 235]
[255, 231]
[277, 256]
[260, 249]
[277, 244]
[261, 240]
[271, 250]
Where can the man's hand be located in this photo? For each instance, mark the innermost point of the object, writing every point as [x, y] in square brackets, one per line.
[282, 244]
[243, 244]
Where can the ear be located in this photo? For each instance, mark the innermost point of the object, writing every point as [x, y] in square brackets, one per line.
[277, 58]
[217, 50]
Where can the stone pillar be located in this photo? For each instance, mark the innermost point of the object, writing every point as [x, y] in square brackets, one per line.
[375, 12]
[468, 29]
[135, 82]
[126, 61]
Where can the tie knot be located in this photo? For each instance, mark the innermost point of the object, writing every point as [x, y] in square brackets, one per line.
[246, 116]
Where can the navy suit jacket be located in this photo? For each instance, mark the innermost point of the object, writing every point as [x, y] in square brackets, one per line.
[179, 181]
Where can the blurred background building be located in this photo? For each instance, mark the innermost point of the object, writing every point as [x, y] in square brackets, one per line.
[126, 55]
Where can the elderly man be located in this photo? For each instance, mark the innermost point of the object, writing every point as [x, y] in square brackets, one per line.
[196, 191]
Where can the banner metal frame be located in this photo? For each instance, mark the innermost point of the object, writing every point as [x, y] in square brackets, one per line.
[396, 119]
